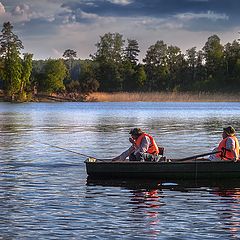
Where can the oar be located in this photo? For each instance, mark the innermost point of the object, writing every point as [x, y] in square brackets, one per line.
[68, 150]
[197, 156]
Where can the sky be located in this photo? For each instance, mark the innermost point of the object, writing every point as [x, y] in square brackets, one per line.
[48, 27]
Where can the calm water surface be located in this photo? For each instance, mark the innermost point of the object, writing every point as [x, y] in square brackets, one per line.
[45, 193]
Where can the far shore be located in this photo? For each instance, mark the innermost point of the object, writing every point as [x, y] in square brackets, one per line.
[139, 97]
[163, 97]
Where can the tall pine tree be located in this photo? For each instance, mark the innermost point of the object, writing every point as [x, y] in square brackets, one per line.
[10, 55]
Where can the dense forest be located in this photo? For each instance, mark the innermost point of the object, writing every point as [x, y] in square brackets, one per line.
[115, 67]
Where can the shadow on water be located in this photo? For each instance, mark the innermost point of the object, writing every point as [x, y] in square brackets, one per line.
[175, 185]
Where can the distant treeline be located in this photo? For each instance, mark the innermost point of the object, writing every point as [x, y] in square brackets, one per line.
[115, 67]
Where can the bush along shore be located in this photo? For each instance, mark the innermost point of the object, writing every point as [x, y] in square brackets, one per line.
[44, 97]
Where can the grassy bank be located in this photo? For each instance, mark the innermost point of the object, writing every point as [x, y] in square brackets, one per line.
[138, 97]
[163, 97]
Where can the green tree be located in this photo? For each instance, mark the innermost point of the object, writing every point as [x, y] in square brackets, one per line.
[140, 77]
[87, 80]
[37, 74]
[26, 73]
[201, 73]
[110, 48]
[132, 51]
[130, 67]
[9, 40]
[54, 72]
[69, 55]
[214, 58]
[156, 67]
[10, 54]
[232, 57]
[129, 79]
[237, 71]
[1, 72]
[175, 63]
[191, 58]
[109, 59]
[12, 73]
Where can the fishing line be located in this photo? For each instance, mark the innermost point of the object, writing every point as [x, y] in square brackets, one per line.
[85, 155]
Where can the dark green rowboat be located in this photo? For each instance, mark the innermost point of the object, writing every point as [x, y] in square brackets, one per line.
[174, 169]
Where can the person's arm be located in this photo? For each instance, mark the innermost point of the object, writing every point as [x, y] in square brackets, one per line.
[230, 145]
[124, 155]
[145, 143]
[133, 142]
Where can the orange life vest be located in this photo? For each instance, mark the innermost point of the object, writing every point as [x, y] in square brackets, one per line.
[229, 154]
[153, 148]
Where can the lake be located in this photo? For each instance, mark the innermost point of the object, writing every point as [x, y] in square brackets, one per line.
[45, 192]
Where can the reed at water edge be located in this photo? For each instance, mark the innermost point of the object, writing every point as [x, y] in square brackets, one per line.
[140, 97]
[163, 97]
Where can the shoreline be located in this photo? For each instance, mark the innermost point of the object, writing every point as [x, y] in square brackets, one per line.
[137, 97]
[163, 97]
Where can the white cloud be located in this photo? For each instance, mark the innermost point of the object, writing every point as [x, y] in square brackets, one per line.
[2, 9]
[207, 15]
[157, 23]
[198, 0]
[21, 9]
[120, 2]
[79, 16]
[47, 29]
[24, 13]
[86, 16]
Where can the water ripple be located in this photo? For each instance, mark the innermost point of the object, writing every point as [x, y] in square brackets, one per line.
[45, 193]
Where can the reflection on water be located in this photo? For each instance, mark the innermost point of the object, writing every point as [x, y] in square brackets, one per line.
[204, 210]
[45, 192]
[230, 216]
[146, 205]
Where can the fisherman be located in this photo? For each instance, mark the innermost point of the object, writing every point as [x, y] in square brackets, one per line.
[144, 147]
[229, 146]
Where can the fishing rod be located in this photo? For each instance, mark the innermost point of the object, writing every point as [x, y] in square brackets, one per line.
[68, 150]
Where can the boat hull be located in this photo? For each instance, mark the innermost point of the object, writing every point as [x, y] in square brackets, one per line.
[198, 169]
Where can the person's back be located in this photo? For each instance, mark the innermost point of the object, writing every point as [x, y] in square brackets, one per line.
[229, 146]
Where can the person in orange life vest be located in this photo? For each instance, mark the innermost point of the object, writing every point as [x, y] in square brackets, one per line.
[229, 144]
[144, 147]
